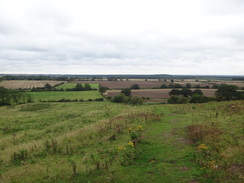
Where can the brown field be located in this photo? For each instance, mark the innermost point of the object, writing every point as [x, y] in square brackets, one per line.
[157, 83]
[156, 93]
[27, 84]
[126, 84]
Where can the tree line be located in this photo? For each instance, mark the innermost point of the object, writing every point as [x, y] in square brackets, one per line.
[10, 97]
[224, 92]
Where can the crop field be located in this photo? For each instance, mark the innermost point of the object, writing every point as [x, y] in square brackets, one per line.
[108, 142]
[24, 84]
[72, 85]
[156, 93]
[58, 95]
[125, 84]
[157, 84]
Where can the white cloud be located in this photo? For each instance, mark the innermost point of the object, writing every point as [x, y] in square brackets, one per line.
[115, 36]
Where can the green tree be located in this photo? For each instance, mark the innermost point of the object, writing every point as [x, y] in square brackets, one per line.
[135, 86]
[196, 98]
[126, 91]
[197, 91]
[176, 99]
[103, 89]
[227, 92]
[121, 98]
[135, 101]
[163, 86]
[79, 87]
[186, 92]
[87, 86]
[48, 86]
[174, 92]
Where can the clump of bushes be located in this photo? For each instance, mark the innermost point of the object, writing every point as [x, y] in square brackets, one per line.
[10, 97]
[122, 98]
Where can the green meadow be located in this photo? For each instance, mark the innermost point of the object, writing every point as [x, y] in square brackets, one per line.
[109, 142]
[58, 95]
[72, 85]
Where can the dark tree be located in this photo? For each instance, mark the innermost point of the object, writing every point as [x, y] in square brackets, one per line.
[197, 91]
[188, 85]
[227, 92]
[163, 86]
[87, 86]
[186, 92]
[79, 87]
[135, 86]
[48, 86]
[174, 92]
[103, 89]
[126, 91]
[121, 98]
[196, 98]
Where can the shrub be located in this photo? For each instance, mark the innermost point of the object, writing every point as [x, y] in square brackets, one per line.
[196, 98]
[121, 98]
[126, 91]
[135, 86]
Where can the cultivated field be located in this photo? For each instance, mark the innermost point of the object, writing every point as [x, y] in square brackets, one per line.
[157, 84]
[156, 93]
[24, 84]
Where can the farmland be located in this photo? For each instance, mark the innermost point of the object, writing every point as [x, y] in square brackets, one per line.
[72, 85]
[156, 83]
[25, 84]
[58, 95]
[156, 93]
[91, 142]
[114, 142]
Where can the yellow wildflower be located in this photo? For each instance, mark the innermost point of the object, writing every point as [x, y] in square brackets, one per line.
[202, 146]
[131, 144]
[121, 148]
[129, 130]
[139, 128]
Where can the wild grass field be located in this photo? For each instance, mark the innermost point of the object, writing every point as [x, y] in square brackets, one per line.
[109, 142]
[58, 95]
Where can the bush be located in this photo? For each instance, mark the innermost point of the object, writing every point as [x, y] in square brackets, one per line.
[126, 91]
[135, 86]
[121, 98]
[163, 86]
[176, 99]
[135, 101]
[196, 98]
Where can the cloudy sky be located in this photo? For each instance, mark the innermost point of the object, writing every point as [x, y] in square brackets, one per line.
[203, 37]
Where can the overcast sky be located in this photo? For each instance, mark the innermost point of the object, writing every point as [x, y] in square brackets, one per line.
[204, 37]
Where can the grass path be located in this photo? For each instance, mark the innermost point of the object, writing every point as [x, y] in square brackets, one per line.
[165, 156]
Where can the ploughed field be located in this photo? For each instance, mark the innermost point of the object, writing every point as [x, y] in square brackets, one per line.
[156, 93]
[157, 84]
[27, 84]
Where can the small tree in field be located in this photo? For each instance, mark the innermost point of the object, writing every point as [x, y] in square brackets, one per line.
[87, 86]
[126, 91]
[135, 86]
[79, 87]
[48, 86]
[199, 92]
[174, 92]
